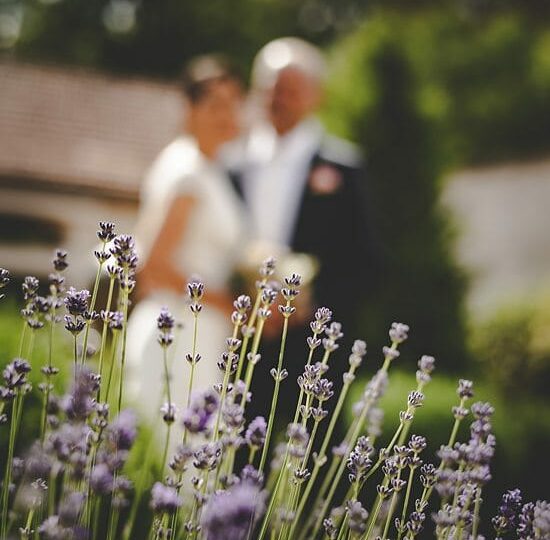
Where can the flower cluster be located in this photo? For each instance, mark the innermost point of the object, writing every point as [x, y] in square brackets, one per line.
[228, 479]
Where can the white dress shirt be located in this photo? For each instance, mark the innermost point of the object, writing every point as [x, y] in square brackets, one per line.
[274, 179]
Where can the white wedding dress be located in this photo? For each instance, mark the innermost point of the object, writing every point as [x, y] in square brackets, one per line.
[209, 250]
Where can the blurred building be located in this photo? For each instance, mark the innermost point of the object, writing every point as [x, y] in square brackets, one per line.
[503, 225]
[74, 147]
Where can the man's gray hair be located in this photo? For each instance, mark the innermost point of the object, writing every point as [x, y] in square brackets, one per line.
[283, 53]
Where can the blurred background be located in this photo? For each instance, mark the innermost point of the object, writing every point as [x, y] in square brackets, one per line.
[450, 101]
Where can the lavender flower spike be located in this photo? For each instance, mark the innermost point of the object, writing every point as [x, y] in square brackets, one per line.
[164, 498]
[4, 280]
[255, 434]
[231, 515]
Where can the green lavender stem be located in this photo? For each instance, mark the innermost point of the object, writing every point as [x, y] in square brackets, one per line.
[169, 423]
[47, 389]
[22, 338]
[275, 394]
[251, 323]
[374, 516]
[251, 365]
[7, 475]
[477, 506]
[298, 487]
[351, 441]
[406, 503]
[225, 383]
[114, 348]
[191, 378]
[104, 333]
[140, 486]
[391, 510]
[319, 461]
[123, 352]
[92, 306]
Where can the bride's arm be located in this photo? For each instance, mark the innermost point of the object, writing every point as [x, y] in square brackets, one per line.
[159, 270]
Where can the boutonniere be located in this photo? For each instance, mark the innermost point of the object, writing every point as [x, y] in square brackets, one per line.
[325, 179]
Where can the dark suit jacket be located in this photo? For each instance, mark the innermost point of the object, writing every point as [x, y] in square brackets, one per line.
[332, 224]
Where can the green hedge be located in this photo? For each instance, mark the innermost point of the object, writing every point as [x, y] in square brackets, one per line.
[426, 91]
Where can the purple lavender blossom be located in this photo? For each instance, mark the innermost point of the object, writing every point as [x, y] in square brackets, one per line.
[164, 498]
[197, 417]
[70, 508]
[465, 389]
[357, 517]
[195, 290]
[116, 320]
[79, 403]
[525, 522]
[76, 302]
[165, 323]
[426, 365]
[255, 434]
[178, 462]
[122, 430]
[252, 475]
[101, 479]
[359, 461]
[232, 514]
[165, 320]
[233, 415]
[30, 288]
[51, 529]
[38, 464]
[207, 456]
[68, 442]
[4, 277]
[15, 373]
[124, 252]
[322, 390]
[398, 332]
[60, 261]
[541, 519]
[106, 231]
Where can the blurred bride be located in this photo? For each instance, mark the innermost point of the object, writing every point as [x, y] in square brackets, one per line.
[190, 226]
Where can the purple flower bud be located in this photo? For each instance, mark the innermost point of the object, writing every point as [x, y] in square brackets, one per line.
[4, 277]
[231, 514]
[267, 268]
[30, 287]
[106, 231]
[122, 431]
[251, 475]
[101, 479]
[390, 353]
[357, 517]
[465, 389]
[255, 434]
[165, 321]
[76, 302]
[398, 332]
[195, 290]
[164, 498]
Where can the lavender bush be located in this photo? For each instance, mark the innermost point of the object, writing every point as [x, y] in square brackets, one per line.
[72, 482]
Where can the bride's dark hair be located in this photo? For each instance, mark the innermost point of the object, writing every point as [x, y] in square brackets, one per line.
[204, 70]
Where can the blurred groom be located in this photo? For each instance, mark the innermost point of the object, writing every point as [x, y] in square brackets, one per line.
[305, 193]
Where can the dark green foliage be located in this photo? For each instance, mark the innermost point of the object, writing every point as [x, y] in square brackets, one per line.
[403, 171]
[167, 33]
[514, 346]
[425, 92]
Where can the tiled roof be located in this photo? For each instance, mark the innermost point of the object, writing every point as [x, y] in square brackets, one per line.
[72, 129]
